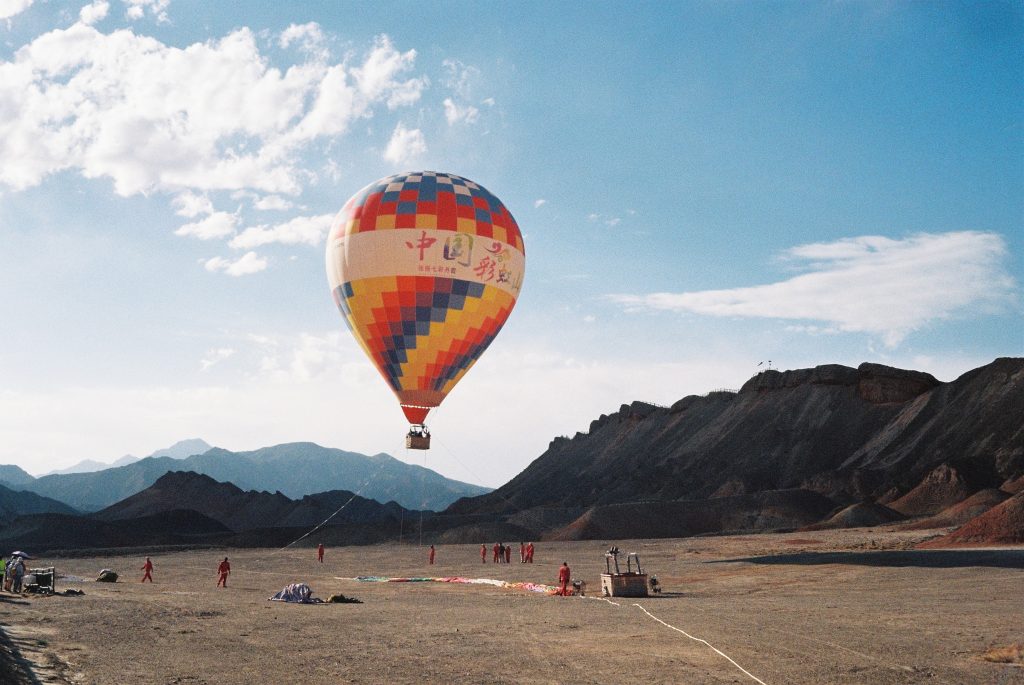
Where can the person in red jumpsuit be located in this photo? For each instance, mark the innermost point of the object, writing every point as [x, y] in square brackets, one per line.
[495, 548]
[508, 554]
[320, 552]
[224, 570]
[483, 554]
[529, 552]
[148, 568]
[431, 554]
[564, 574]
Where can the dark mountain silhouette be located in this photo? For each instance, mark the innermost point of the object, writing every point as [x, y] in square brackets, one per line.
[14, 503]
[294, 469]
[189, 509]
[245, 510]
[44, 532]
[849, 434]
[860, 438]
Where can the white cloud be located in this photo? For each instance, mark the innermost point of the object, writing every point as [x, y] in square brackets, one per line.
[869, 284]
[92, 13]
[138, 8]
[10, 8]
[249, 263]
[454, 113]
[614, 221]
[375, 79]
[155, 117]
[405, 145]
[302, 230]
[191, 204]
[216, 225]
[539, 203]
[216, 356]
[309, 36]
[460, 78]
[272, 202]
[488, 101]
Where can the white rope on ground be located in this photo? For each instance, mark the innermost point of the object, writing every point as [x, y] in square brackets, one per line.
[697, 639]
[603, 599]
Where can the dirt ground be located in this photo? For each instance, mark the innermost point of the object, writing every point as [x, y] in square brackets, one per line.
[826, 607]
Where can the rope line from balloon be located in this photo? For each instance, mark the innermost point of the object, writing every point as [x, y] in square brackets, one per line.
[701, 640]
[356, 493]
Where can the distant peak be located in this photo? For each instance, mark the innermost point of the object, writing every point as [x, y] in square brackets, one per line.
[183, 449]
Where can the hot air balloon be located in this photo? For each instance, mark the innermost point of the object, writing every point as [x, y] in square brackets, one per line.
[425, 268]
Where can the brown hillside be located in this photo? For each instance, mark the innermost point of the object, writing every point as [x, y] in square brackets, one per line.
[849, 434]
[860, 515]
[763, 511]
[940, 489]
[1000, 525]
[962, 512]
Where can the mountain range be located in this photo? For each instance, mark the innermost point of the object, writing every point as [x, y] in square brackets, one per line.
[294, 469]
[827, 447]
[179, 450]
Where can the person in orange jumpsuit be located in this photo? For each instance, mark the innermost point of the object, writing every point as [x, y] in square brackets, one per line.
[529, 552]
[508, 554]
[522, 553]
[320, 552]
[564, 574]
[483, 554]
[224, 570]
[148, 568]
[431, 554]
[495, 548]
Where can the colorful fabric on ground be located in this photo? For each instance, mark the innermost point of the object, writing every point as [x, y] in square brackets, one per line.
[525, 586]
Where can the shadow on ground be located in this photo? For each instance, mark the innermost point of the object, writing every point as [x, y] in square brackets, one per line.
[14, 668]
[993, 558]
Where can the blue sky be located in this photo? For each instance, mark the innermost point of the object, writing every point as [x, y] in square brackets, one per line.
[701, 187]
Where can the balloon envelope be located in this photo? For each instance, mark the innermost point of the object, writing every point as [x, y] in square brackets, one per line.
[425, 268]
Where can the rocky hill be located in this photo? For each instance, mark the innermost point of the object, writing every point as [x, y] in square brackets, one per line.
[872, 432]
[294, 469]
[240, 510]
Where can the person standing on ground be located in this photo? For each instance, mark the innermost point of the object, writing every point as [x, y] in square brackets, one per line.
[529, 552]
[564, 574]
[495, 548]
[483, 554]
[508, 554]
[522, 552]
[148, 568]
[223, 571]
[320, 552]
[18, 575]
[431, 555]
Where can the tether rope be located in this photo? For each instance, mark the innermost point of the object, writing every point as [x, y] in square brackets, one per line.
[356, 493]
[701, 640]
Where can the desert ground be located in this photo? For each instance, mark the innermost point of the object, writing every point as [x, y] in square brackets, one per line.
[854, 606]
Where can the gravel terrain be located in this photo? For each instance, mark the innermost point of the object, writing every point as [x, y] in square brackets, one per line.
[843, 606]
